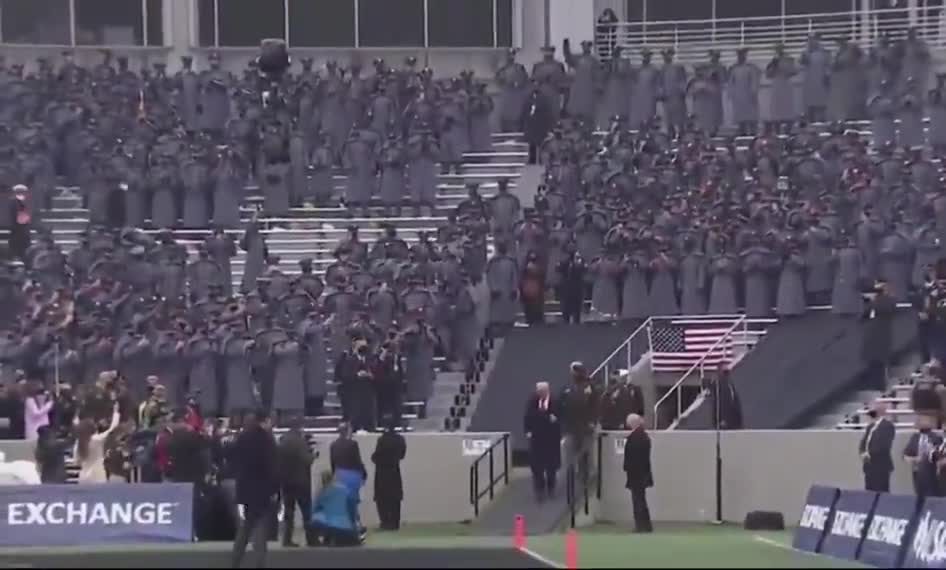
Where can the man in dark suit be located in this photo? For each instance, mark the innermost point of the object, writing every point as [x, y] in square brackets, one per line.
[257, 485]
[344, 453]
[544, 435]
[919, 453]
[639, 475]
[388, 487]
[875, 449]
[295, 475]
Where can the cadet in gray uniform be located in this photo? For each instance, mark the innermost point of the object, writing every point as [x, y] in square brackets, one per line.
[743, 88]
[673, 88]
[514, 84]
[816, 69]
[780, 72]
[585, 81]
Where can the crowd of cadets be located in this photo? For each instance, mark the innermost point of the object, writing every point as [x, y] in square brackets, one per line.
[181, 150]
[662, 221]
[650, 220]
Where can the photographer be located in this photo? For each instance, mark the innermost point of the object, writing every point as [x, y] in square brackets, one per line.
[878, 335]
[65, 410]
[355, 377]
[154, 408]
[389, 381]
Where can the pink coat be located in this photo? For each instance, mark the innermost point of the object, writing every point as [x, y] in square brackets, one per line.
[36, 416]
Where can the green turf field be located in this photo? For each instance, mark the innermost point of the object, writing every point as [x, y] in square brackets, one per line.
[679, 546]
[671, 546]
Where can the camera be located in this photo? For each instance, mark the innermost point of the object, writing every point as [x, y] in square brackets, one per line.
[273, 60]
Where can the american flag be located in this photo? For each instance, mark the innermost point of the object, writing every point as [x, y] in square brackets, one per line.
[679, 347]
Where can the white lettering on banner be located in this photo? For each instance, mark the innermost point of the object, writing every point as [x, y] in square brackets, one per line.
[929, 542]
[814, 517]
[475, 447]
[41, 514]
[887, 530]
[848, 524]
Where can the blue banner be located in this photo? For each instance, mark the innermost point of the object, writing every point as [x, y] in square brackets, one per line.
[47, 515]
[851, 517]
[889, 530]
[927, 549]
[815, 517]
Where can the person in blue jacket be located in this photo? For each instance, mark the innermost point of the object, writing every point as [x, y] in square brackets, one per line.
[335, 520]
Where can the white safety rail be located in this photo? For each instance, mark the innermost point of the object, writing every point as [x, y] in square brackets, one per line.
[692, 38]
[623, 358]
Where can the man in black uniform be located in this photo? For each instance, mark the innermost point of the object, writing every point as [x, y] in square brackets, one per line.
[257, 485]
[619, 400]
[295, 478]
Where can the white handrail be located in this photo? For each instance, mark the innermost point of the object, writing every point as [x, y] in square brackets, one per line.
[712, 350]
[604, 363]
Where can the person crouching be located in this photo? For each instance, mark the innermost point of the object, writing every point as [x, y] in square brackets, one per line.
[335, 520]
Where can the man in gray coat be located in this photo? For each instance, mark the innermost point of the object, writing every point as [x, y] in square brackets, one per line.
[513, 81]
[585, 81]
[187, 84]
[780, 72]
[646, 90]
[502, 278]
[673, 87]
[816, 63]
[505, 211]
[550, 76]
[743, 88]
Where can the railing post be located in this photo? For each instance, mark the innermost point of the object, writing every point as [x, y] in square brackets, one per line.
[476, 485]
[506, 458]
[629, 354]
[650, 342]
[598, 475]
[742, 33]
[492, 477]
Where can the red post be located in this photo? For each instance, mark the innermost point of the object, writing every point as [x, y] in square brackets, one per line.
[571, 550]
[519, 532]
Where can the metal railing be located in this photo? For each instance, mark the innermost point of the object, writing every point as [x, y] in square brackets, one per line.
[692, 38]
[475, 492]
[624, 356]
[723, 346]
